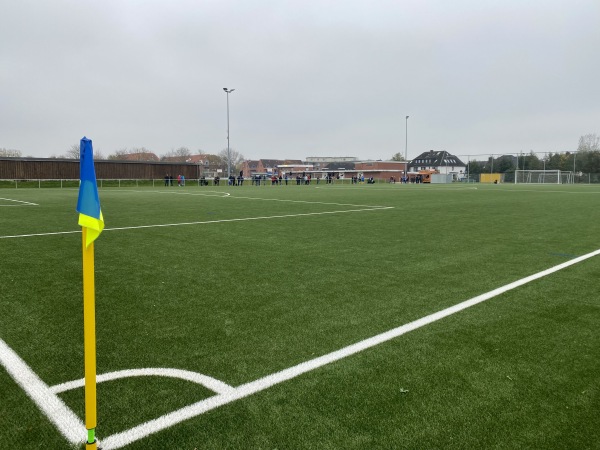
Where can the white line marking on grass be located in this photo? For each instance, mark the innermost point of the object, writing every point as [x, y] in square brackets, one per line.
[309, 202]
[269, 199]
[242, 219]
[211, 383]
[18, 201]
[121, 439]
[417, 188]
[39, 234]
[204, 194]
[544, 191]
[69, 425]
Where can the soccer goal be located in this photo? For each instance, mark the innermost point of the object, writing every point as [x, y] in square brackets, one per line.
[543, 176]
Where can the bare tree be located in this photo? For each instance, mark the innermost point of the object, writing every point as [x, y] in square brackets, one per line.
[589, 143]
[118, 154]
[181, 154]
[72, 153]
[7, 152]
[134, 154]
[236, 159]
[398, 157]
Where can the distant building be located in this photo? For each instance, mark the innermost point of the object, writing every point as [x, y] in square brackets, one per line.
[206, 165]
[319, 162]
[382, 170]
[322, 159]
[249, 167]
[441, 161]
[274, 166]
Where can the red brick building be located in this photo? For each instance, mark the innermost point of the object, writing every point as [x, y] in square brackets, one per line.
[251, 167]
[381, 170]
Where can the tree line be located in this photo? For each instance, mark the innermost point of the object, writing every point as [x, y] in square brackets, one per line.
[182, 154]
[586, 159]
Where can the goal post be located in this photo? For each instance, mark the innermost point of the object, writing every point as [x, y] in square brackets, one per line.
[543, 177]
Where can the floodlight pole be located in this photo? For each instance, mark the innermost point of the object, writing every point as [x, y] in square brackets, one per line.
[468, 166]
[228, 91]
[406, 149]
[406, 141]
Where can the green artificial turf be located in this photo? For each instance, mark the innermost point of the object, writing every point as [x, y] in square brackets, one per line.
[243, 285]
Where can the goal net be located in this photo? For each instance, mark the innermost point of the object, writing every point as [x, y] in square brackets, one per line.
[543, 176]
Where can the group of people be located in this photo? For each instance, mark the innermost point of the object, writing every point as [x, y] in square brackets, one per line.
[233, 181]
[305, 179]
[169, 180]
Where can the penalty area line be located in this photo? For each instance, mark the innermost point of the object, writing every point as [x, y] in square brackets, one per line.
[121, 439]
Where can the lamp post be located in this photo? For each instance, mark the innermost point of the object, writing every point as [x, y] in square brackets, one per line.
[228, 91]
[406, 149]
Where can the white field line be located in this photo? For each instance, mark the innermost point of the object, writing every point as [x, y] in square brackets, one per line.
[203, 194]
[235, 197]
[18, 201]
[211, 383]
[121, 439]
[242, 219]
[401, 187]
[543, 191]
[69, 425]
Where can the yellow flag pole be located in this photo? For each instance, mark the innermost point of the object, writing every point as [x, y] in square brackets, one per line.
[89, 341]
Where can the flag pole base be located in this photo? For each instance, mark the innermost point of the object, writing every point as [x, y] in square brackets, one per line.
[91, 443]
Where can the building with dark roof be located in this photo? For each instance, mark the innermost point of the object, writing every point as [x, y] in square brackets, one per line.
[440, 161]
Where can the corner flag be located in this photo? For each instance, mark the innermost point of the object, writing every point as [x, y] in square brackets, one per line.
[92, 224]
[88, 204]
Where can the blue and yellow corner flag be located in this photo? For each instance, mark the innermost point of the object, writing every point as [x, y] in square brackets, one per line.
[88, 204]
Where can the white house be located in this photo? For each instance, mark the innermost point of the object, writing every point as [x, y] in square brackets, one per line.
[441, 161]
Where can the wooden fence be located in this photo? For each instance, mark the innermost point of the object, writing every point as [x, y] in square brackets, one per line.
[56, 169]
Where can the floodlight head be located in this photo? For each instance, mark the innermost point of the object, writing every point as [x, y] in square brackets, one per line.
[225, 89]
[407, 117]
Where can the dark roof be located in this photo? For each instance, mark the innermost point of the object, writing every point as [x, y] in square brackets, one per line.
[436, 159]
[271, 162]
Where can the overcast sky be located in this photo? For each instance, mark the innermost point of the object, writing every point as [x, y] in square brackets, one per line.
[311, 78]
